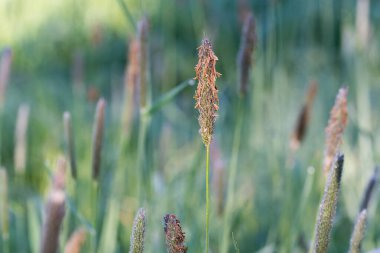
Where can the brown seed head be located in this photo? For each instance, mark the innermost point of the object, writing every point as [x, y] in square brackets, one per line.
[76, 241]
[206, 95]
[97, 137]
[303, 118]
[174, 235]
[5, 69]
[247, 45]
[335, 128]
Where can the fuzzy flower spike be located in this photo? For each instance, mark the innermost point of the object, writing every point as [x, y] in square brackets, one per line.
[206, 95]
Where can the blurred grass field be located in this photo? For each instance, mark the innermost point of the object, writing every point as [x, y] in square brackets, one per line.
[68, 54]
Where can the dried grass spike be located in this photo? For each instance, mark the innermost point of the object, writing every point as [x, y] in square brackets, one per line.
[174, 235]
[358, 232]
[5, 69]
[97, 138]
[206, 95]
[369, 189]
[55, 211]
[76, 241]
[327, 207]
[20, 153]
[142, 33]
[244, 59]
[138, 232]
[303, 118]
[69, 139]
[335, 128]
[131, 84]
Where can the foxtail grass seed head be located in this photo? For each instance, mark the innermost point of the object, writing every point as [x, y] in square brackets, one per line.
[174, 235]
[335, 128]
[97, 138]
[143, 33]
[244, 59]
[131, 84]
[369, 189]
[4, 202]
[303, 118]
[69, 140]
[358, 232]
[138, 233]
[5, 69]
[76, 241]
[20, 153]
[327, 207]
[206, 95]
[55, 211]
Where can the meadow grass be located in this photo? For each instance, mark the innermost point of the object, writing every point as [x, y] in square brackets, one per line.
[121, 74]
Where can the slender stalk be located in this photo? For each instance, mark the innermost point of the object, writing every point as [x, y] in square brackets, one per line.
[207, 195]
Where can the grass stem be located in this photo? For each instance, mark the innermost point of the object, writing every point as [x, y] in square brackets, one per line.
[207, 196]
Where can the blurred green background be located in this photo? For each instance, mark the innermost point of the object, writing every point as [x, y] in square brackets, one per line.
[67, 54]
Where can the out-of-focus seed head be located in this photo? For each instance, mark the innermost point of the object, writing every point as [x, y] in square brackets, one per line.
[138, 232]
[5, 69]
[244, 59]
[76, 241]
[206, 95]
[327, 207]
[174, 235]
[358, 232]
[335, 128]
[303, 118]
[97, 138]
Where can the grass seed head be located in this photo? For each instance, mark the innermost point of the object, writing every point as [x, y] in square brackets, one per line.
[303, 118]
[327, 207]
[358, 232]
[76, 241]
[55, 211]
[174, 235]
[69, 140]
[142, 35]
[20, 154]
[97, 138]
[244, 59]
[370, 188]
[138, 233]
[335, 128]
[206, 95]
[5, 69]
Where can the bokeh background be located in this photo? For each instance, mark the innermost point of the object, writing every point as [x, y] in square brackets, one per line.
[68, 54]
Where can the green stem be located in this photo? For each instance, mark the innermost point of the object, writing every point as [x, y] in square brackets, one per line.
[207, 195]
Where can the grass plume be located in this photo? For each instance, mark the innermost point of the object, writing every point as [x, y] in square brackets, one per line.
[20, 154]
[55, 211]
[69, 140]
[207, 103]
[76, 241]
[335, 128]
[138, 233]
[244, 58]
[5, 69]
[358, 232]
[327, 207]
[369, 189]
[97, 138]
[303, 118]
[206, 95]
[174, 235]
[143, 81]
